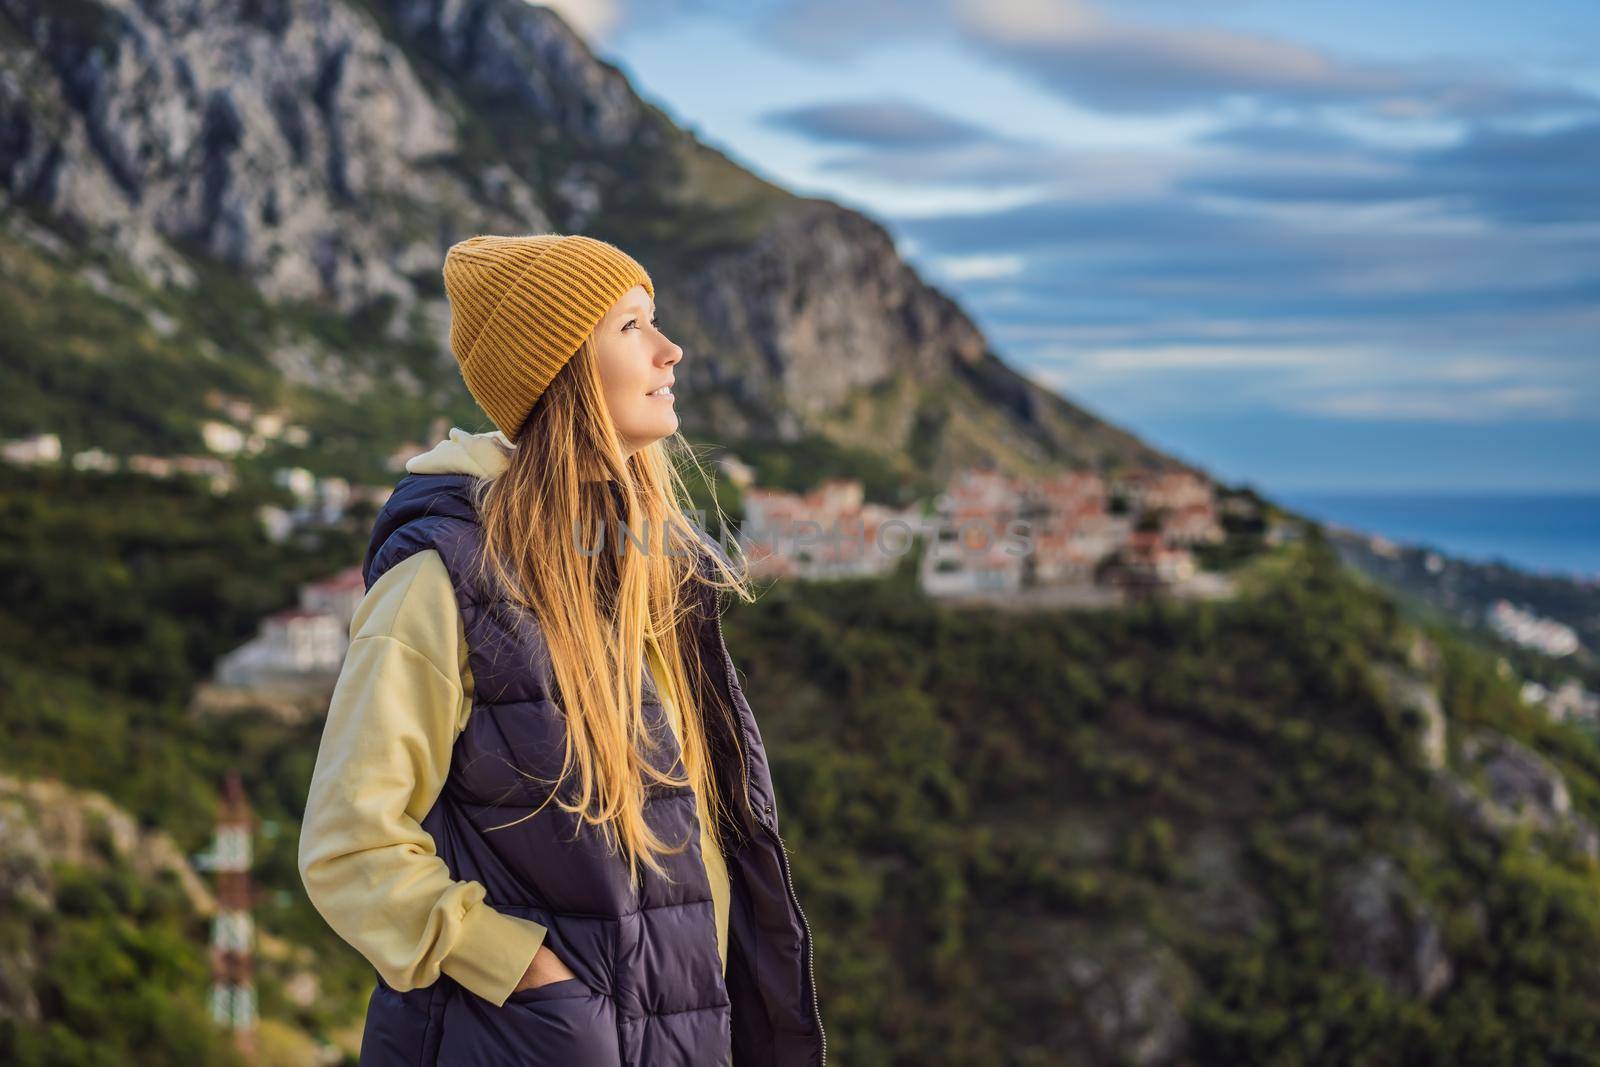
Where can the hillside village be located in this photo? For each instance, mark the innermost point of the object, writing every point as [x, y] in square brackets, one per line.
[1083, 552]
[1069, 539]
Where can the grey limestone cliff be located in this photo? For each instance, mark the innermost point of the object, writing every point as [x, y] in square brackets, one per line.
[329, 151]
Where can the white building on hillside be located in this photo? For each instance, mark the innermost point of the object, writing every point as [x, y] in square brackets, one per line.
[300, 648]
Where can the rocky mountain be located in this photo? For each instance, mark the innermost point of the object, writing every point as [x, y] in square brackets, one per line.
[325, 153]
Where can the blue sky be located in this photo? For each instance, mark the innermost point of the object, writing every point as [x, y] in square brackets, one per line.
[1307, 246]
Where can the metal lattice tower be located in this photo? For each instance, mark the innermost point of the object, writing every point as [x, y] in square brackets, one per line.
[233, 991]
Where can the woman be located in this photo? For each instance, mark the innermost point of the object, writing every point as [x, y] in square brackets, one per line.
[541, 807]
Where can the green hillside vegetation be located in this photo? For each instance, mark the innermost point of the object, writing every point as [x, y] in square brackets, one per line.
[979, 801]
[92, 366]
[120, 592]
[119, 980]
[982, 808]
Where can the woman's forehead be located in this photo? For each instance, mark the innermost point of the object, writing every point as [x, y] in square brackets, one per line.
[631, 303]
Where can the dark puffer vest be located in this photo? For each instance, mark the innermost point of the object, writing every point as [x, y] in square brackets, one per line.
[650, 989]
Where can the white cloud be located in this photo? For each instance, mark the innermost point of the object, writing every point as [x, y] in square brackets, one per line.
[1356, 381]
[1114, 362]
[1075, 48]
[887, 199]
[1467, 405]
[977, 268]
[592, 19]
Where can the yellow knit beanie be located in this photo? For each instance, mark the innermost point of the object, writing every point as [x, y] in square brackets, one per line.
[521, 306]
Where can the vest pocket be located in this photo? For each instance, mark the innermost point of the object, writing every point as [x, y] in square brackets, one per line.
[586, 944]
[561, 987]
[545, 1026]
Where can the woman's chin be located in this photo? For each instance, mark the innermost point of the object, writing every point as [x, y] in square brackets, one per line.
[649, 436]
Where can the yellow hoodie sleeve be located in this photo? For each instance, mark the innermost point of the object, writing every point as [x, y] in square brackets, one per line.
[369, 867]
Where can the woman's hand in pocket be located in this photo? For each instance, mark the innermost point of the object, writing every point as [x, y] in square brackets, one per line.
[544, 968]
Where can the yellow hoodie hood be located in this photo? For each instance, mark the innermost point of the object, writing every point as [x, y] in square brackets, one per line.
[483, 455]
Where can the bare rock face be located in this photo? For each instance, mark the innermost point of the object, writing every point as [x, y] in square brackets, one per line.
[292, 141]
[829, 282]
[1132, 993]
[1506, 784]
[43, 822]
[1500, 782]
[1421, 700]
[1520, 781]
[529, 61]
[1217, 891]
[1382, 926]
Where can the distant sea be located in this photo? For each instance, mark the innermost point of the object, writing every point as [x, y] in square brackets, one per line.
[1539, 532]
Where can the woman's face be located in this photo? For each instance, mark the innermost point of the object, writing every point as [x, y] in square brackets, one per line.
[636, 359]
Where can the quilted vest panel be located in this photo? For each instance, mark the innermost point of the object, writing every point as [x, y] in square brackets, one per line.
[650, 989]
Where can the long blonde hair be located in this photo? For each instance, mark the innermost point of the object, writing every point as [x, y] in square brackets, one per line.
[567, 490]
